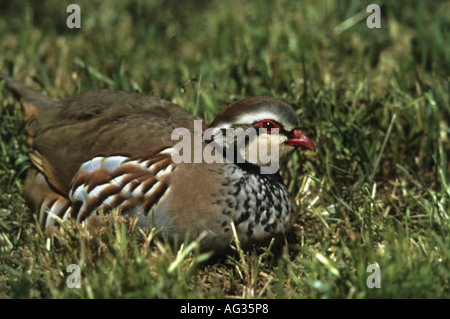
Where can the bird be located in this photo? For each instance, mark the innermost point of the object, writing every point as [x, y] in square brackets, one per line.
[106, 150]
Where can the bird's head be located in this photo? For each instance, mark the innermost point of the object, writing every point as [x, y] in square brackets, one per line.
[261, 127]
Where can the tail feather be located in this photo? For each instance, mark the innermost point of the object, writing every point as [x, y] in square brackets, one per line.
[32, 100]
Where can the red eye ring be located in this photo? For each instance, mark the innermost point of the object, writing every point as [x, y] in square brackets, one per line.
[268, 125]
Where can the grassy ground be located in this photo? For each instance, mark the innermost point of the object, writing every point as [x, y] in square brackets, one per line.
[375, 102]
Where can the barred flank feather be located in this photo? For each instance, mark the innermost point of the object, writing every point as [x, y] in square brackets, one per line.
[103, 183]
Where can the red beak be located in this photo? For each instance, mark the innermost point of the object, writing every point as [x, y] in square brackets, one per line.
[301, 140]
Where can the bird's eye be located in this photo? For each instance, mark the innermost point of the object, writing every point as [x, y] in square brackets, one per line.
[268, 125]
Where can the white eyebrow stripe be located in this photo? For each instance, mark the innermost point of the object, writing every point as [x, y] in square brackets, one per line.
[257, 116]
[254, 117]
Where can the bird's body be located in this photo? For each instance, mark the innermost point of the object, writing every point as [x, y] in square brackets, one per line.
[108, 149]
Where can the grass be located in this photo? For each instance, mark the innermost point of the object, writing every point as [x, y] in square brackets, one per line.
[375, 102]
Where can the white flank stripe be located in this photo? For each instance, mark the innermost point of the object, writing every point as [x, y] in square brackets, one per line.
[97, 190]
[137, 192]
[168, 151]
[67, 214]
[92, 165]
[118, 180]
[50, 221]
[164, 173]
[79, 194]
[109, 200]
[152, 190]
[113, 162]
[125, 190]
[57, 206]
[137, 164]
[43, 209]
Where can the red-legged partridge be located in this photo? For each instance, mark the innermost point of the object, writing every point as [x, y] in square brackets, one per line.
[112, 149]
